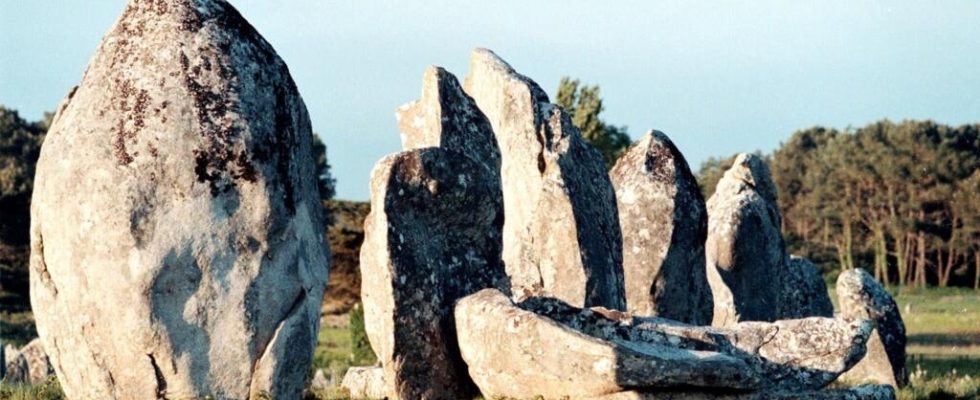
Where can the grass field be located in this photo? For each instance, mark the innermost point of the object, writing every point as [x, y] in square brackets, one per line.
[943, 326]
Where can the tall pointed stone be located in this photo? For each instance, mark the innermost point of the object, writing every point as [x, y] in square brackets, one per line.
[664, 223]
[860, 296]
[746, 257]
[177, 236]
[432, 237]
[561, 230]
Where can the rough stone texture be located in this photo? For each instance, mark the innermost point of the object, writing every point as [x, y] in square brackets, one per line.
[860, 296]
[746, 257]
[546, 347]
[39, 366]
[804, 294]
[664, 224]
[177, 245]
[447, 117]
[865, 392]
[433, 236]
[365, 383]
[561, 232]
[18, 371]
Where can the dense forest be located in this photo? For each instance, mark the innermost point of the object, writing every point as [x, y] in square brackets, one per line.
[901, 200]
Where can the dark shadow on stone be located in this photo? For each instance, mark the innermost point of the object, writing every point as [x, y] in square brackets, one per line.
[171, 289]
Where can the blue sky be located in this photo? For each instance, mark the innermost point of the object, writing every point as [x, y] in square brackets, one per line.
[718, 77]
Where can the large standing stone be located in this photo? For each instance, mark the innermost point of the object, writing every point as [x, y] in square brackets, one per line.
[860, 296]
[545, 347]
[664, 223]
[561, 230]
[864, 392]
[177, 238]
[804, 294]
[746, 257]
[433, 236]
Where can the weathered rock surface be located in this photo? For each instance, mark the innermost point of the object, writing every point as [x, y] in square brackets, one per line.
[16, 368]
[865, 392]
[177, 238]
[664, 224]
[860, 296]
[546, 347]
[38, 364]
[365, 383]
[746, 257]
[561, 230]
[433, 236]
[804, 294]
[447, 117]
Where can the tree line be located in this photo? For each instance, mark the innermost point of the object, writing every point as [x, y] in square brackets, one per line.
[901, 200]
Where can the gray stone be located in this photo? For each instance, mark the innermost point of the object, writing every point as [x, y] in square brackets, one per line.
[561, 229]
[859, 295]
[365, 383]
[319, 381]
[432, 237]
[804, 294]
[177, 241]
[546, 347]
[664, 224]
[746, 257]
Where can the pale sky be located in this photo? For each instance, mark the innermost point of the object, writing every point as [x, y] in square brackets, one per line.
[717, 77]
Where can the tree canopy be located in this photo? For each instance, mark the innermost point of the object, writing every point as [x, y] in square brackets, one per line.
[584, 104]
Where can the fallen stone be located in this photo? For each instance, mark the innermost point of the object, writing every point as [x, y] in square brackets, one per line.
[746, 257]
[432, 237]
[561, 230]
[804, 294]
[546, 347]
[864, 392]
[365, 383]
[664, 224]
[860, 296]
[177, 245]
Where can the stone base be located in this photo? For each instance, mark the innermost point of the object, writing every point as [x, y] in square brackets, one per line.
[365, 383]
[864, 392]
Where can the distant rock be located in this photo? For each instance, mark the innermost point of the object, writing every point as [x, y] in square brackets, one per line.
[561, 229]
[544, 347]
[39, 366]
[16, 369]
[746, 257]
[177, 237]
[860, 296]
[804, 294]
[365, 383]
[664, 224]
[319, 381]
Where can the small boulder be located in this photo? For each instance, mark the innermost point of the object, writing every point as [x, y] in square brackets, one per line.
[37, 360]
[860, 296]
[561, 230]
[804, 294]
[365, 383]
[17, 370]
[664, 224]
[746, 257]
